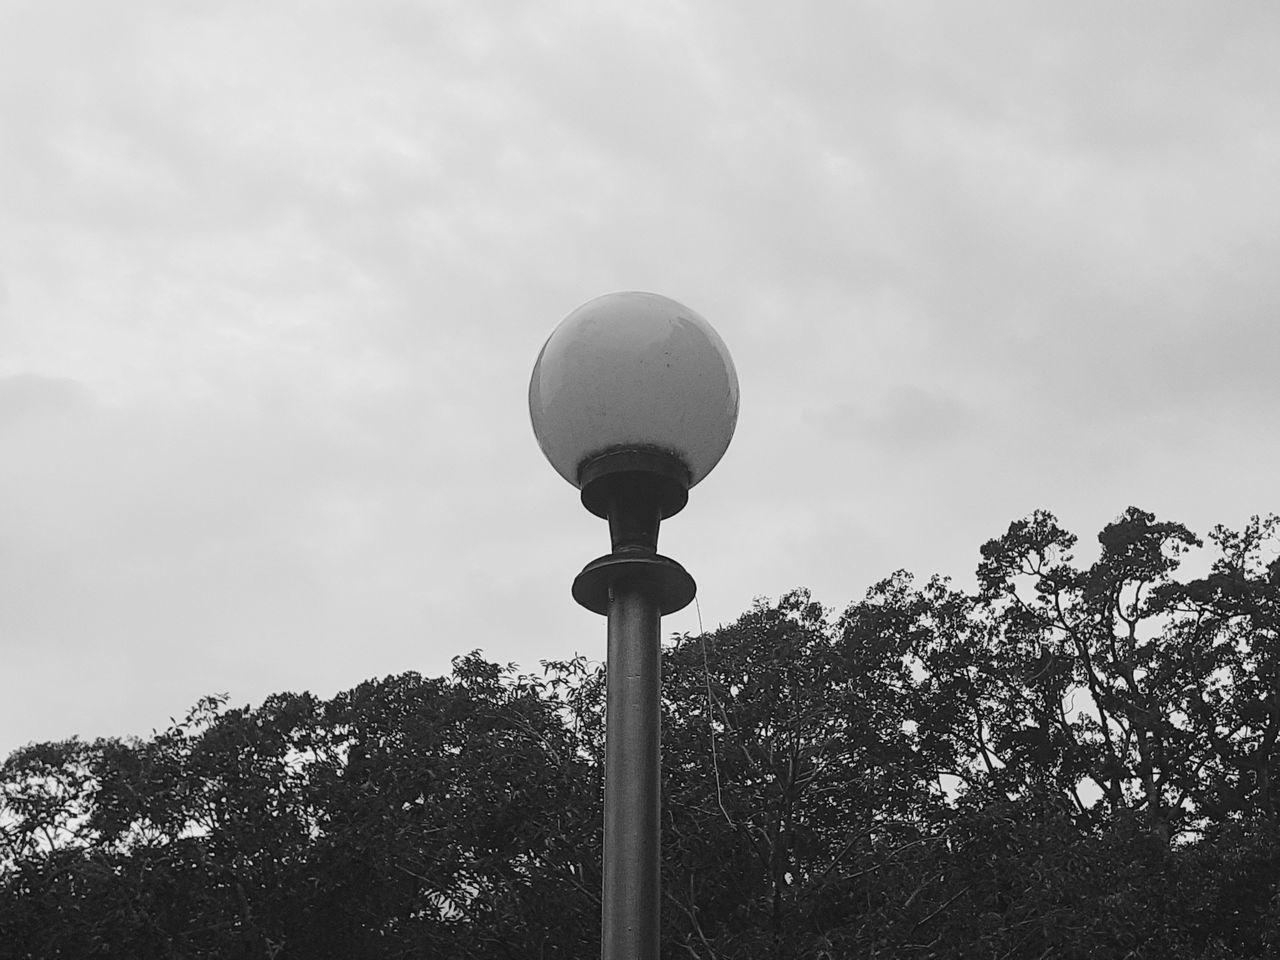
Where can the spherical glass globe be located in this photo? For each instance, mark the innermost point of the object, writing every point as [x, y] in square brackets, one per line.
[633, 371]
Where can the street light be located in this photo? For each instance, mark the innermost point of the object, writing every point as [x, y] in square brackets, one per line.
[633, 399]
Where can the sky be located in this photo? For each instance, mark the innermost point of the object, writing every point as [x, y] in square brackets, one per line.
[274, 275]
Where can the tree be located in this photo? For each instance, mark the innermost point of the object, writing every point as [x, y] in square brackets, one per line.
[1071, 761]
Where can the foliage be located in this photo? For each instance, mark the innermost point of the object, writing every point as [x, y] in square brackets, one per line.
[1070, 761]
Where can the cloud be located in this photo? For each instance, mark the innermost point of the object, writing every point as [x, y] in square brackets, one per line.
[274, 277]
[906, 420]
[25, 397]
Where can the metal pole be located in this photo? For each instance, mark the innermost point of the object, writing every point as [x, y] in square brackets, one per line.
[632, 784]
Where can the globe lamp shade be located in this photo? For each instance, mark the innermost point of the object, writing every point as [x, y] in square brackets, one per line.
[634, 374]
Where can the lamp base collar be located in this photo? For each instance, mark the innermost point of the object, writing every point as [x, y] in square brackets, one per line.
[670, 585]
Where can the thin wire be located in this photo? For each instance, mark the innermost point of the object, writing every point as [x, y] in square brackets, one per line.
[711, 730]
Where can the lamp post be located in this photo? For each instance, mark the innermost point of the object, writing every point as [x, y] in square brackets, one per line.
[634, 399]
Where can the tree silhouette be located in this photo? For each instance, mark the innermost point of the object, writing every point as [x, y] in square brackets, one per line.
[1071, 761]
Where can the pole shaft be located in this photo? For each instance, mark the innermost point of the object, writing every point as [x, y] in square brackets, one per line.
[632, 784]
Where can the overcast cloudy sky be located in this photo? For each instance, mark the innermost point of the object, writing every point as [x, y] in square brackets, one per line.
[273, 277]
